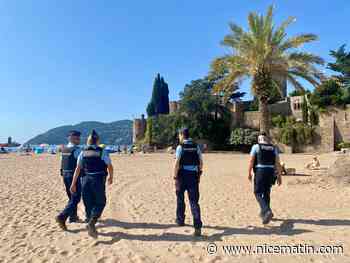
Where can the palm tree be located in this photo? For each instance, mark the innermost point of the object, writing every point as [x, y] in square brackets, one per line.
[264, 53]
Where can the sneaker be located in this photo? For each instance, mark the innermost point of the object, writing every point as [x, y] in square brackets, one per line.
[267, 217]
[197, 232]
[91, 227]
[61, 223]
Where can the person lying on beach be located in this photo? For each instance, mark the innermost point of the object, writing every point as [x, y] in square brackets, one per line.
[314, 165]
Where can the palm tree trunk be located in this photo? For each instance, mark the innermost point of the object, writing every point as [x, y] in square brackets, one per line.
[264, 116]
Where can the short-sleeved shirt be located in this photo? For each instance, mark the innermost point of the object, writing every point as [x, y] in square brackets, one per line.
[192, 168]
[254, 151]
[104, 156]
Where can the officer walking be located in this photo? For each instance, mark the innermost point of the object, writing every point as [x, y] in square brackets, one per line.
[69, 157]
[187, 172]
[96, 165]
[265, 163]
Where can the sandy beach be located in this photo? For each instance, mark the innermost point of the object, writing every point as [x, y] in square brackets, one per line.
[138, 222]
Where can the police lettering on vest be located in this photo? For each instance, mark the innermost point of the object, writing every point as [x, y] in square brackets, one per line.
[266, 155]
[92, 161]
[189, 154]
[68, 162]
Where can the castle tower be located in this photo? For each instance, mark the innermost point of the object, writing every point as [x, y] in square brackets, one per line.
[139, 129]
[173, 106]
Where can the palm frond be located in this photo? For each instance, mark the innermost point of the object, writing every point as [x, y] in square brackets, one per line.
[305, 57]
[297, 41]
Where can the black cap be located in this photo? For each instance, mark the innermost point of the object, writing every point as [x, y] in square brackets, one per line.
[74, 133]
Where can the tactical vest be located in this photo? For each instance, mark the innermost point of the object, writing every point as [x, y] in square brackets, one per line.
[68, 160]
[266, 155]
[189, 155]
[92, 161]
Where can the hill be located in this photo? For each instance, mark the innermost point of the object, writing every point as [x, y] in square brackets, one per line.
[117, 133]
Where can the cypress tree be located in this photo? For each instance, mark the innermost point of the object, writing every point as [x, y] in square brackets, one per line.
[159, 103]
[164, 109]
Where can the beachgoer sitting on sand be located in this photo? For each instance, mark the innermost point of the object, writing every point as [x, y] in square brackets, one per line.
[314, 165]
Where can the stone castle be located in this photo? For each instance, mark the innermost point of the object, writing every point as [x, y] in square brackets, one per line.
[334, 126]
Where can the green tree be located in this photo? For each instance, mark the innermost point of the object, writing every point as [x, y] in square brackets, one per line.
[341, 65]
[198, 106]
[329, 93]
[159, 103]
[261, 52]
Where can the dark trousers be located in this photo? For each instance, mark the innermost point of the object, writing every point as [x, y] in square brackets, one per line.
[73, 199]
[188, 181]
[262, 187]
[94, 195]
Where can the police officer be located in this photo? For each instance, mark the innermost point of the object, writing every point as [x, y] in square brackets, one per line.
[69, 157]
[264, 162]
[96, 165]
[187, 172]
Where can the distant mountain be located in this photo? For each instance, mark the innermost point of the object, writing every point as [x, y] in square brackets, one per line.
[117, 133]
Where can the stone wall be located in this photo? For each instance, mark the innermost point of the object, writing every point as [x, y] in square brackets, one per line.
[173, 106]
[251, 119]
[281, 107]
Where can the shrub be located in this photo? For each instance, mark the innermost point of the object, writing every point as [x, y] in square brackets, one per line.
[296, 133]
[278, 121]
[343, 145]
[240, 136]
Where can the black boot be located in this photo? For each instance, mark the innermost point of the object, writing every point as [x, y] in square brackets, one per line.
[179, 223]
[197, 232]
[92, 227]
[74, 219]
[61, 223]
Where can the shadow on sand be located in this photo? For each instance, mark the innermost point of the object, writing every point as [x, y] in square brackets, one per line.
[297, 175]
[286, 228]
[175, 237]
[288, 224]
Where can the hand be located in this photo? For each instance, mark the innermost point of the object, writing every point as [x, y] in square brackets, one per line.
[279, 180]
[250, 176]
[110, 180]
[73, 188]
[177, 185]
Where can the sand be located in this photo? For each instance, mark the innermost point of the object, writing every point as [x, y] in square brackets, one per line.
[138, 222]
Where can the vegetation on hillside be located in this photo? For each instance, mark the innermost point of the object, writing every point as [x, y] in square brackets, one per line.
[117, 133]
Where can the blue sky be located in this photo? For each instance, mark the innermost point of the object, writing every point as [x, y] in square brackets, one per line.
[63, 62]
